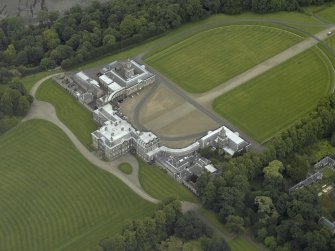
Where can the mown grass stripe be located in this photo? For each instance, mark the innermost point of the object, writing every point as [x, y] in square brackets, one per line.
[222, 53]
[49, 197]
[271, 102]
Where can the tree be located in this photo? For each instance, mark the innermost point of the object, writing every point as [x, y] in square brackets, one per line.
[171, 244]
[209, 195]
[23, 106]
[189, 227]
[270, 242]
[60, 53]
[35, 54]
[47, 63]
[109, 40]
[6, 104]
[10, 53]
[232, 6]
[235, 224]
[51, 38]
[212, 5]
[215, 244]
[194, 9]
[332, 139]
[130, 240]
[128, 26]
[298, 168]
[3, 40]
[266, 212]
[273, 178]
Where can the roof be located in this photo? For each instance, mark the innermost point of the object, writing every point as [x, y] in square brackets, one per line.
[210, 168]
[147, 137]
[111, 71]
[233, 136]
[116, 131]
[182, 151]
[330, 225]
[105, 79]
[108, 108]
[114, 87]
[87, 79]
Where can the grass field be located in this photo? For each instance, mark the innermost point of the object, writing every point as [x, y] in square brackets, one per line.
[327, 13]
[236, 243]
[298, 20]
[221, 54]
[51, 198]
[161, 186]
[274, 100]
[77, 118]
[331, 42]
[125, 168]
[29, 81]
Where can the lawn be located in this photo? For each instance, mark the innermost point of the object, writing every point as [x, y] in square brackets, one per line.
[160, 185]
[29, 81]
[331, 41]
[52, 198]
[77, 118]
[327, 13]
[125, 168]
[294, 19]
[221, 54]
[236, 243]
[269, 103]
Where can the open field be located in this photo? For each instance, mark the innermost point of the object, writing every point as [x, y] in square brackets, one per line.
[274, 100]
[221, 54]
[77, 118]
[52, 198]
[295, 19]
[125, 168]
[327, 14]
[331, 42]
[30, 80]
[237, 243]
[161, 186]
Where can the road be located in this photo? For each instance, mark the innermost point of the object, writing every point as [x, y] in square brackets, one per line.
[208, 97]
[203, 102]
[45, 111]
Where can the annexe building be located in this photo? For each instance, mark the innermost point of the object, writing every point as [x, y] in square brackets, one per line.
[117, 136]
[122, 79]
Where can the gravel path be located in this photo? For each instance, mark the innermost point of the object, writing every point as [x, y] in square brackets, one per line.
[45, 111]
[203, 102]
[208, 97]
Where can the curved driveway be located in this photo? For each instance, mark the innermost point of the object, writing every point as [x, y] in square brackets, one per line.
[45, 111]
[203, 102]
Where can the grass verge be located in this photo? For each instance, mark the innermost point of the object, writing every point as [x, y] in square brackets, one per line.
[76, 117]
[126, 168]
[161, 186]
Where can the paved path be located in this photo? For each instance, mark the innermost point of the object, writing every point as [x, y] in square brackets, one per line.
[208, 97]
[45, 111]
[203, 102]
